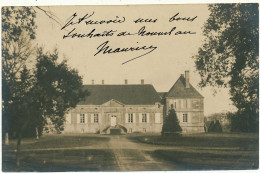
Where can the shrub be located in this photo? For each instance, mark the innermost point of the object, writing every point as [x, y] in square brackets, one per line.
[171, 126]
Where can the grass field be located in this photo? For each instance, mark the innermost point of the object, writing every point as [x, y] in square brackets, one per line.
[93, 152]
[48, 154]
[207, 151]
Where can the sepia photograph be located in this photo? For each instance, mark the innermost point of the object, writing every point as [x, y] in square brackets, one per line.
[90, 88]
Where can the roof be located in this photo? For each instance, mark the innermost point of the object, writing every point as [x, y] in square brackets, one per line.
[162, 94]
[126, 94]
[180, 91]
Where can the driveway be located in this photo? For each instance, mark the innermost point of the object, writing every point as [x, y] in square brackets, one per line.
[132, 156]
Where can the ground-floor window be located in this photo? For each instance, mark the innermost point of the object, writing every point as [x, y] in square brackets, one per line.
[185, 117]
[95, 118]
[144, 118]
[82, 118]
[144, 129]
[130, 130]
[130, 118]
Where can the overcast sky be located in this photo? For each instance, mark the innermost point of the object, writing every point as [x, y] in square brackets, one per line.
[161, 67]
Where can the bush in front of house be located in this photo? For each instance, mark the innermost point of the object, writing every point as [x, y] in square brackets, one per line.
[171, 126]
[215, 127]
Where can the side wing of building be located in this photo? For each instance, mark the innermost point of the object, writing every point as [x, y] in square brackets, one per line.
[188, 104]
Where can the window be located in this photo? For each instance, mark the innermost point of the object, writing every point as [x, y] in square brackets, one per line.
[82, 118]
[185, 103]
[185, 117]
[196, 104]
[95, 118]
[144, 118]
[175, 104]
[130, 130]
[144, 129]
[130, 118]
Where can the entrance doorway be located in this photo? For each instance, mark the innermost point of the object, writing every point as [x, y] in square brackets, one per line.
[113, 120]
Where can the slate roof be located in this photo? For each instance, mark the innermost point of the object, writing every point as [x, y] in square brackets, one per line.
[162, 94]
[127, 94]
[178, 90]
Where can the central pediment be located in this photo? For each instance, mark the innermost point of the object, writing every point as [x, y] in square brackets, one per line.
[113, 103]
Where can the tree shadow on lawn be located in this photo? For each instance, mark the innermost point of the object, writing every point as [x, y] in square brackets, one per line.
[58, 141]
[61, 160]
[208, 161]
[202, 140]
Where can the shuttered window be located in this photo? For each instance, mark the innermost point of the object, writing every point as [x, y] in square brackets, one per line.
[185, 117]
[130, 118]
[82, 118]
[144, 118]
[96, 118]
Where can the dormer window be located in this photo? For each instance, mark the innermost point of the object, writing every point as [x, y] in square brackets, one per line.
[158, 105]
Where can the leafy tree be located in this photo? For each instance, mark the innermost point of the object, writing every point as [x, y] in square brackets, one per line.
[171, 123]
[215, 126]
[229, 56]
[18, 31]
[33, 93]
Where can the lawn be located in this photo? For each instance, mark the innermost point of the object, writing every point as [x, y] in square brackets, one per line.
[247, 141]
[35, 155]
[207, 151]
[58, 141]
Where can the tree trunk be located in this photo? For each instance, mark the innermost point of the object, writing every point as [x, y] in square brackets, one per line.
[18, 150]
[6, 138]
[37, 133]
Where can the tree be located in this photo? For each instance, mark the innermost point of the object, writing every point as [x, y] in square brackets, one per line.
[18, 31]
[229, 56]
[215, 126]
[35, 92]
[171, 124]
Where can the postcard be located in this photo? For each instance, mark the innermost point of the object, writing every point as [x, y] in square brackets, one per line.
[130, 87]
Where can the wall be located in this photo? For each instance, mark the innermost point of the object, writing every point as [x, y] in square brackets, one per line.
[193, 107]
[120, 111]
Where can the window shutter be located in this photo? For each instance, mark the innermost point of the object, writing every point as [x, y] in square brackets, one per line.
[126, 118]
[86, 118]
[134, 118]
[157, 118]
[92, 118]
[148, 117]
[78, 118]
[99, 118]
[140, 117]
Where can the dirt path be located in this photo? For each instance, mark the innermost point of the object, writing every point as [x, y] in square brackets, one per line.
[130, 156]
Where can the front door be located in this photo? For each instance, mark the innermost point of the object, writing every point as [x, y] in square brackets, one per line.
[113, 120]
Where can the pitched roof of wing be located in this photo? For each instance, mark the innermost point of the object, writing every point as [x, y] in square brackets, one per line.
[180, 91]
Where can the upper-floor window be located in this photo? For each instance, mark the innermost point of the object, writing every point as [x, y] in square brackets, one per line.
[144, 118]
[185, 118]
[186, 103]
[130, 118]
[82, 118]
[196, 104]
[95, 118]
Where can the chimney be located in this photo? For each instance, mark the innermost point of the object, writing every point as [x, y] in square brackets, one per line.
[103, 82]
[126, 81]
[92, 82]
[187, 79]
[142, 81]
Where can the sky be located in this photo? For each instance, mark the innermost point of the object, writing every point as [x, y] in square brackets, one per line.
[161, 68]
